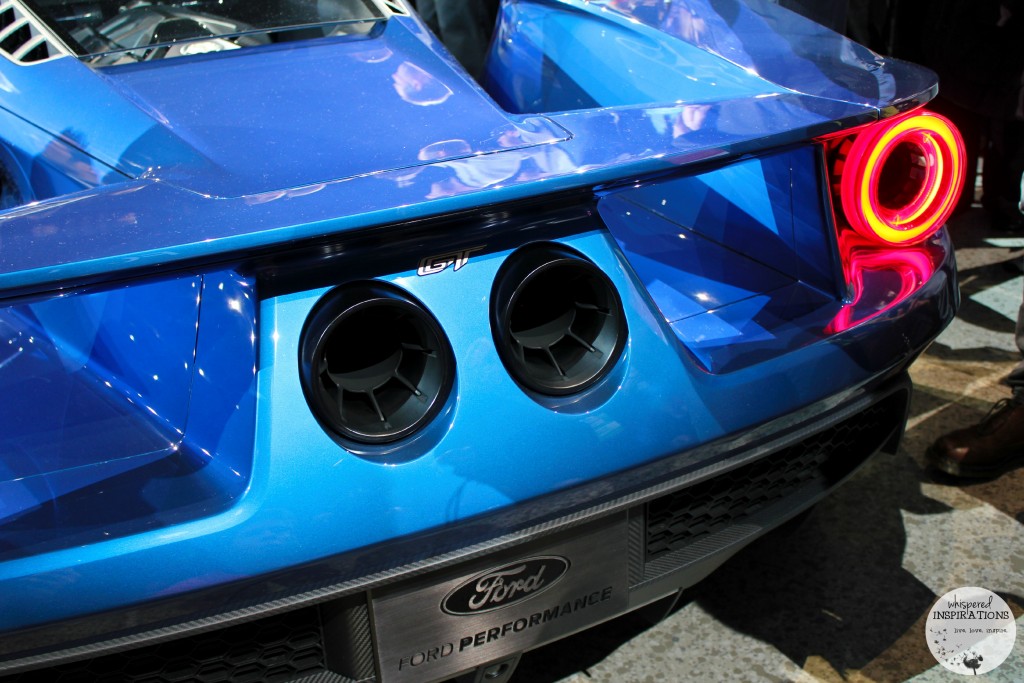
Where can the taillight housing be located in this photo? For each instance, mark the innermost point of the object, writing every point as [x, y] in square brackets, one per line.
[898, 180]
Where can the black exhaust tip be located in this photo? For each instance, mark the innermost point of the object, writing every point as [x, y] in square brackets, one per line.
[557, 320]
[375, 364]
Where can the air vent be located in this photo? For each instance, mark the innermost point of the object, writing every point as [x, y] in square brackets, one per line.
[24, 38]
[557, 320]
[375, 364]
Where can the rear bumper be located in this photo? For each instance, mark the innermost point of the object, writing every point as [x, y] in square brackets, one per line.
[632, 539]
[624, 555]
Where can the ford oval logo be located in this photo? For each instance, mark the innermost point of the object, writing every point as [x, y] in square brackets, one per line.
[505, 585]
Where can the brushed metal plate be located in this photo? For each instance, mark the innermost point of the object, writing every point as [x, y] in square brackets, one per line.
[496, 607]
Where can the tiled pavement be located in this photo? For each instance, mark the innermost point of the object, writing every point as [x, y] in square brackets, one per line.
[845, 595]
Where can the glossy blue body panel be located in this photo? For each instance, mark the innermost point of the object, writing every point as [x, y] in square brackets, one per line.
[550, 55]
[735, 268]
[253, 146]
[166, 224]
[125, 420]
[67, 100]
[560, 56]
[751, 207]
[192, 186]
[43, 166]
[108, 343]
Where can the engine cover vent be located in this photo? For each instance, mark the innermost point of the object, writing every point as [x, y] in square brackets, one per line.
[375, 364]
[24, 38]
[557, 320]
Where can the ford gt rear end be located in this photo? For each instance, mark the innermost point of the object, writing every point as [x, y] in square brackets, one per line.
[322, 360]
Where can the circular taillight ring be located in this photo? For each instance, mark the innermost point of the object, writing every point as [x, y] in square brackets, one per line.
[902, 178]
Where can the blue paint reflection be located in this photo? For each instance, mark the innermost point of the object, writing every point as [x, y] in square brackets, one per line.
[112, 433]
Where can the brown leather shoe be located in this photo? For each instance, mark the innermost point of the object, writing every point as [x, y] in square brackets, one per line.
[987, 449]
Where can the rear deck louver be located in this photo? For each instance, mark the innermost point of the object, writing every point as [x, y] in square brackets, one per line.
[24, 38]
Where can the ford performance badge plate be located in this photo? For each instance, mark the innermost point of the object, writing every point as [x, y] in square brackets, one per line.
[498, 607]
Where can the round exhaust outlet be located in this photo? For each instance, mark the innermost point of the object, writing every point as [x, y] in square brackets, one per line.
[557, 320]
[375, 364]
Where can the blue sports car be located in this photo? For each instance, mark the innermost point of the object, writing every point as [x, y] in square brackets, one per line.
[322, 359]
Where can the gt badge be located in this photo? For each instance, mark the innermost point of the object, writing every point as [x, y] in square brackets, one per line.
[435, 264]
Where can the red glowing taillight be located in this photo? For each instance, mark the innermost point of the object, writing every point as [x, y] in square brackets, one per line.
[899, 179]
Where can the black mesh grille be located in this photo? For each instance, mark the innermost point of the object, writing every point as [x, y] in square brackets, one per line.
[271, 650]
[815, 464]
